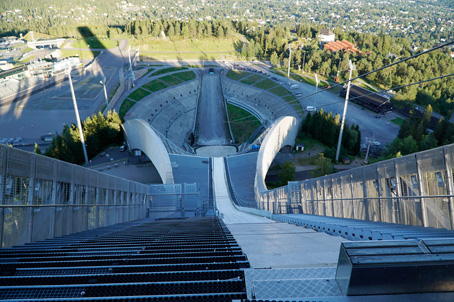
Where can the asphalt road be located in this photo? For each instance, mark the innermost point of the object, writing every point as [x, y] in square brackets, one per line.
[381, 129]
[41, 112]
[212, 127]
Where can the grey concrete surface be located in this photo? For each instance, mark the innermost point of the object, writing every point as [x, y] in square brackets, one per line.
[269, 244]
[242, 174]
[212, 127]
[216, 151]
[170, 111]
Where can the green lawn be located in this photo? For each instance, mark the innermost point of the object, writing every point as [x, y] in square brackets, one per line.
[125, 106]
[149, 71]
[279, 91]
[95, 43]
[155, 85]
[30, 58]
[265, 84]
[185, 76]
[243, 123]
[171, 80]
[252, 79]
[138, 94]
[204, 45]
[162, 56]
[236, 75]
[295, 104]
[398, 121]
[83, 54]
[167, 70]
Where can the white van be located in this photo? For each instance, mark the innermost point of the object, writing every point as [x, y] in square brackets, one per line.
[294, 87]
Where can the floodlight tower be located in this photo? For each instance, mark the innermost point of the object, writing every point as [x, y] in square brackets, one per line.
[351, 67]
[289, 58]
[79, 124]
[130, 67]
[103, 82]
[316, 90]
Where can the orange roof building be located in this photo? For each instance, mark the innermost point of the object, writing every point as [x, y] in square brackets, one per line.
[341, 45]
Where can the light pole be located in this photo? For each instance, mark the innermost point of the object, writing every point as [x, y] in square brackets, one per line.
[103, 82]
[316, 90]
[304, 59]
[352, 67]
[130, 67]
[289, 60]
[79, 124]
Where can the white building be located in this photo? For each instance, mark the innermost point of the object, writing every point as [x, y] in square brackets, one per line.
[327, 35]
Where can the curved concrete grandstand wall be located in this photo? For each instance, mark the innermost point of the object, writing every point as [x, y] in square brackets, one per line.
[283, 132]
[268, 105]
[44, 198]
[170, 111]
[140, 136]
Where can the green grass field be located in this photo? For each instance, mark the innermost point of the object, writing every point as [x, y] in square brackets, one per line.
[185, 76]
[95, 43]
[252, 79]
[204, 45]
[171, 80]
[125, 106]
[163, 56]
[243, 123]
[138, 94]
[155, 85]
[149, 71]
[265, 84]
[83, 54]
[167, 70]
[398, 121]
[236, 75]
[279, 91]
[294, 103]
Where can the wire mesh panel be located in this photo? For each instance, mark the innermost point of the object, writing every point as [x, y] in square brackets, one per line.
[102, 211]
[92, 210]
[337, 195]
[165, 199]
[42, 195]
[80, 215]
[388, 188]
[410, 211]
[63, 215]
[320, 196]
[347, 203]
[434, 178]
[358, 194]
[328, 191]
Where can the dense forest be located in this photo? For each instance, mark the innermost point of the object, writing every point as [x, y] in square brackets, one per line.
[423, 21]
[325, 127]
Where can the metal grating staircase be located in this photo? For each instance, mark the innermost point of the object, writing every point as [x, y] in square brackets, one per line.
[193, 259]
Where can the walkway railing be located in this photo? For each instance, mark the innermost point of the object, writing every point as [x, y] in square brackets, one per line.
[416, 189]
[42, 198]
